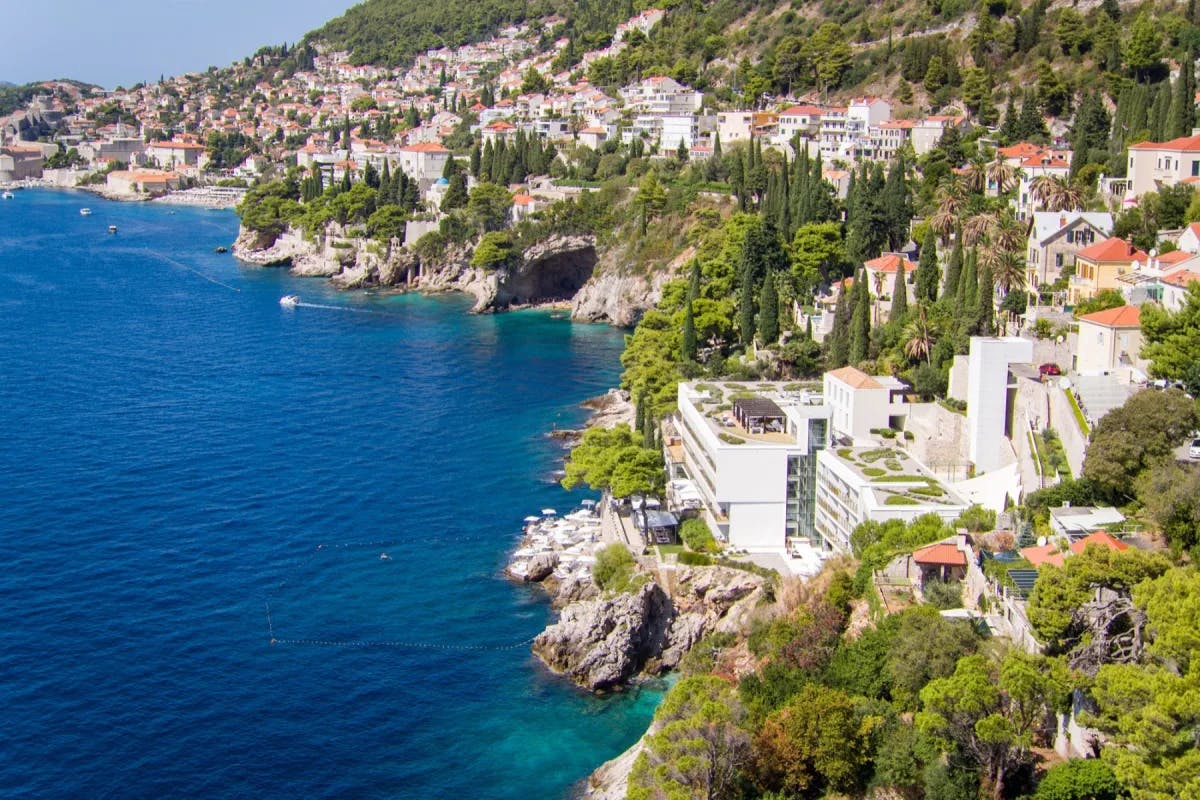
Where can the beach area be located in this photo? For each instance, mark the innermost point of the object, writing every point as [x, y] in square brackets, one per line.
[218, 197]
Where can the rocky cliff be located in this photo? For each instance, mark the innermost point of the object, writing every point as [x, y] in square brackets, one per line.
[603, 643]
[558, 269]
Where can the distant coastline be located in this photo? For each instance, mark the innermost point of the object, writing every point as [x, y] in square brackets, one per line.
[216, 197]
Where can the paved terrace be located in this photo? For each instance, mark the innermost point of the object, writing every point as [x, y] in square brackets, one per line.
[719, 411]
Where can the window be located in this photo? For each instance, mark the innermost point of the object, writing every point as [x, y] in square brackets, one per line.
[1070, 237]
[1196, 169]
[1058, 259]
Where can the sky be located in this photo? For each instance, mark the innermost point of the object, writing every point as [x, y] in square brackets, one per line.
[120, 42]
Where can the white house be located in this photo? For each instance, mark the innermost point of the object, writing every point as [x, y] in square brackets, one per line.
[1153, 165]
[425, 161]
[1174, 288]
[1056, 236]
[860, 403]
[1109, 341]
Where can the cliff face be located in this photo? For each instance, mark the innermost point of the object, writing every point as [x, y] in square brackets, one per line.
[558, 269]
[602, 644]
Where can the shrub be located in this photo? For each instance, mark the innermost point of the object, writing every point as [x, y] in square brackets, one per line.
[928, 491]
[873, 472]
[697, 536]
[908, 436]
[729, 438]
[692, 559]
[976, 519]
[613, 570]
[900, 500]
[893, 465]
[943, 594]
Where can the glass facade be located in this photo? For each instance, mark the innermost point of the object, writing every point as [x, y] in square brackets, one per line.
[802, 484]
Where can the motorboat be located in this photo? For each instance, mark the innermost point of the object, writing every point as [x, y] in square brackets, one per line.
[289, 300]
[112, 228]
[85, 212]
[221, 249]
[8, 195]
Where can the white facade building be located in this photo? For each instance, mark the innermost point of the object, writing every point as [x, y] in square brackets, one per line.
[758, 487]
[860, 403]
[989, 397]
[850, 491]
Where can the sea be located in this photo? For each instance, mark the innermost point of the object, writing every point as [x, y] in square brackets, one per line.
[253, 551]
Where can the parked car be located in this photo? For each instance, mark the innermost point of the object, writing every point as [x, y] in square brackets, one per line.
[1194, 450]
[1049, 370]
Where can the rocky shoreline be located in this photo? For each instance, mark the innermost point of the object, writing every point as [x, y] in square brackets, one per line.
[560, 271]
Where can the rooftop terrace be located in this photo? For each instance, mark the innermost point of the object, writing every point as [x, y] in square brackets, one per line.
[747, 413]
[895, 478]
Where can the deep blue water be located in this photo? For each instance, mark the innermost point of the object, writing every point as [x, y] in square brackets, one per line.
[175, 455]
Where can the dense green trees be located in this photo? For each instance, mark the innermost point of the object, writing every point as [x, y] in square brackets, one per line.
[614, 459]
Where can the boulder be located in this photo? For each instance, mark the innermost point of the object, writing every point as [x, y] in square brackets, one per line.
[540, 567]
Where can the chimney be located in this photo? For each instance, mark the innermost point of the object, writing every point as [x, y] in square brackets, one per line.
[1062, 221]
[1131, 248]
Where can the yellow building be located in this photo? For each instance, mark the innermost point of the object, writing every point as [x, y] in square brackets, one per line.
[1097, 267]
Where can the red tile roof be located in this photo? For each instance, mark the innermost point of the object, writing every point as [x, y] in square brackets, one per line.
[1185, 143]
[890, 262]
[1121, 317]
[946, 555]
[424, 147]
[1043, 554]
[855, 378]
[1114, 249]
[1099, 539]
[1181, 278]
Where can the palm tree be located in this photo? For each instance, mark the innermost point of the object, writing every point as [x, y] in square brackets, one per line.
[919, 336]
[977, 228]
[977, 174]
[1003, 174]
[1008, 270]
[1044, 190]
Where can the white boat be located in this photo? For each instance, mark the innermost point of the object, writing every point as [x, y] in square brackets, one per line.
[8, 195]
[289, 300]
[85, 212]
[112, 228]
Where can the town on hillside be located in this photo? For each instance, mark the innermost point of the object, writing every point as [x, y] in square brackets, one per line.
[936, 364]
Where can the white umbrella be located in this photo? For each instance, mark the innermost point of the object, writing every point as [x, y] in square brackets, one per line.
[532, 519]
[548, 512]
[588, 504]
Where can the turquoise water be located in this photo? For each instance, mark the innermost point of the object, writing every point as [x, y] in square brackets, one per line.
[179, 454]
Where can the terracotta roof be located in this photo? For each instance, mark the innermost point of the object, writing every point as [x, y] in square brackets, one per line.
[855, 378]
[1181, 278]
[889, 262]
[1184, 143]
[940, 554]
[1043, 554]
[522, 199]
[1114, 249]
[1121, 317]
[1020, 150]
[1099, 539]
[800, 111]
[1175, 256]
[178, 145]
[424, 147]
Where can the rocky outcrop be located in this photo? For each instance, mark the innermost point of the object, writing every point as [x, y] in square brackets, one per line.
[619, 296]
[558, 269]
[601, 644]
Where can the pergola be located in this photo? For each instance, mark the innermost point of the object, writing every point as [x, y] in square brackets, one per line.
[758, 414]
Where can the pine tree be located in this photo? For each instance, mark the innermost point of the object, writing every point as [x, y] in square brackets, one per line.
[954, 267]
[985, 313]
[928, 274]
[768, 311]
[899, 299]
[1009, 130]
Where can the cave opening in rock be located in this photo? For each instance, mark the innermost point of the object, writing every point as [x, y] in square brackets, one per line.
[556, 278]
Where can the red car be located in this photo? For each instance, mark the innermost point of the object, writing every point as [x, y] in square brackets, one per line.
[1049, 370]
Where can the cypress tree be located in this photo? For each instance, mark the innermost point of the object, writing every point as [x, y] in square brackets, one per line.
[1183, 104]
[476, 159]
[954, 267]
[985, 313]
[687, 339]
[897, 204]
[968, 283]
[746, 304]
[839, 337]
[899, 299]
[485, 164]
[860, 321]
[768, 311]
[927, 269]
[456, 193]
